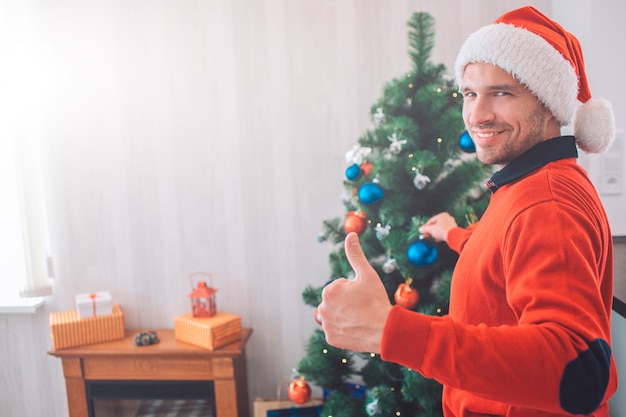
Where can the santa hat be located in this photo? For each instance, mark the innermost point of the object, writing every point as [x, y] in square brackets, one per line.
[548, 60]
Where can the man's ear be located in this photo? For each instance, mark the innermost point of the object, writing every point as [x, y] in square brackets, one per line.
[552, 124]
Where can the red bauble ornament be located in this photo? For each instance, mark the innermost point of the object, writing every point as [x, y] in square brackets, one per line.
[366, 168]
[356, 221]
[406, 296]
[299, 391]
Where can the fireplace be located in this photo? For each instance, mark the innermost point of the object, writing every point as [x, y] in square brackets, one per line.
[150, 398]
[119, 379]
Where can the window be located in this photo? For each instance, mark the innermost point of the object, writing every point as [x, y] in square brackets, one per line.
[23, 237]
[23, 240]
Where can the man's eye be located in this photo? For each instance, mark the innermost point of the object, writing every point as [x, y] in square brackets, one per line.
[502, 93]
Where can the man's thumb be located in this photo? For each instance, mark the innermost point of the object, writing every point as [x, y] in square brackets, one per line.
[356, 257]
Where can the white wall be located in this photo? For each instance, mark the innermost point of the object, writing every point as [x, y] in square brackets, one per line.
[598, 27]
[200, 135]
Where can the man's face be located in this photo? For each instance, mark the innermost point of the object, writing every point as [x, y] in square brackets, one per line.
[502, 116]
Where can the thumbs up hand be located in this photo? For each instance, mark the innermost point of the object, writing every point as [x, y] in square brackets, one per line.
[354, 312]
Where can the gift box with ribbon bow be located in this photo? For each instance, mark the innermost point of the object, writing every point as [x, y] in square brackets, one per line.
[67, 330]
[93, 304]
[208, 332]
[280, 406]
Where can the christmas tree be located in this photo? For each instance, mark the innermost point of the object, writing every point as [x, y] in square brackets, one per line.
[416, 161]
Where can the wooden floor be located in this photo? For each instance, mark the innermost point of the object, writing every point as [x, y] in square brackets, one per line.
[619, 303]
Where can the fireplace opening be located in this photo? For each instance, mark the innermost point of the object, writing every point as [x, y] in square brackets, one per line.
[150, 398]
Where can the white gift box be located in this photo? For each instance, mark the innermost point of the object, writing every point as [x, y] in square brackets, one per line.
[93, 304]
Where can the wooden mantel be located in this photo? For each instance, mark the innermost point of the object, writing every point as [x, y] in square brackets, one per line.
[168, 360]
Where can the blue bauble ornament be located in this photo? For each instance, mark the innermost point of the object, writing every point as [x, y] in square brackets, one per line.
[422, 253]
[353, 172]
[466, 143]
[370, 193]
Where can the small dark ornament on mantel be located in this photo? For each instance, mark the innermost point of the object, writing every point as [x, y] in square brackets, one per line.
[146, 339]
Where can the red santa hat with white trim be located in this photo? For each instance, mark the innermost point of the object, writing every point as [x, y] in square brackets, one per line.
[548, 60]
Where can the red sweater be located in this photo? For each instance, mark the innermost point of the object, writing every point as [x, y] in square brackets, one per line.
[528, 333]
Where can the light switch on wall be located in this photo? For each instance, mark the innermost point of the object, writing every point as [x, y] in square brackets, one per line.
[612, 167]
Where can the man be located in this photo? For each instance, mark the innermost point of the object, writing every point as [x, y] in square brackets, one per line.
[528, 333]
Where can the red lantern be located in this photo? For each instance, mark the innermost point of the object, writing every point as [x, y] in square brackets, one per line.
[203, 300]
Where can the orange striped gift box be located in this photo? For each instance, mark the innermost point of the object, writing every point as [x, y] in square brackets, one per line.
[208, 332]
[67, 330]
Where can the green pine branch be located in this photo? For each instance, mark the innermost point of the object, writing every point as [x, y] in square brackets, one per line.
[421, 40]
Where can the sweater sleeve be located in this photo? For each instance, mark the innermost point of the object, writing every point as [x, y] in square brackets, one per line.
[557, 357]
[457, 238]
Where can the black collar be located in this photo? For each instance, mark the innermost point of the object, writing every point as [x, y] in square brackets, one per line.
[551, 150]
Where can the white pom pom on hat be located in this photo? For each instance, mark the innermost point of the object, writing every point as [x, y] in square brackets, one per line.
[594, 126]
[548, 60]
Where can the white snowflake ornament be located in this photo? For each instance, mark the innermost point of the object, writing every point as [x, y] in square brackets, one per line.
[379, 117]
[396, 144]
[346, 199]
[449, 165]
[357, 154]
[390, 266]
[382, 231]
[378, 260]
[420, 181]
[372, 408]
